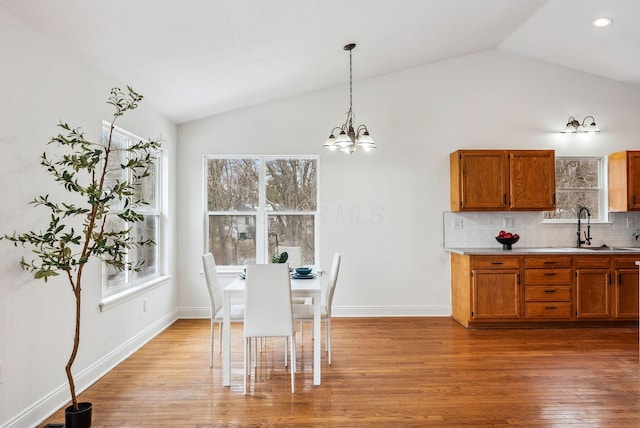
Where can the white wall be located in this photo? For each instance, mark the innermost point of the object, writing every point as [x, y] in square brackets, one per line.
[384, 210]
[39, 88]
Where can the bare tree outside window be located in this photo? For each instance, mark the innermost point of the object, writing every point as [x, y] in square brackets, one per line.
[261, 200]
[578, 184]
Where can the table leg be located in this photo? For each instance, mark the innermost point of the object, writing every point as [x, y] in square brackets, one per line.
[226, 341]
[317, 339]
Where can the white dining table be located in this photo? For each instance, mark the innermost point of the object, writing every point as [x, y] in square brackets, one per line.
[299, 288]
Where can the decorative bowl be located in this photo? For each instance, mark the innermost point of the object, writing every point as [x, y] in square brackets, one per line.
[507, 242]
[303, 271]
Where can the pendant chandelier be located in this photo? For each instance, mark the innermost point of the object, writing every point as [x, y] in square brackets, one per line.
[350, 139]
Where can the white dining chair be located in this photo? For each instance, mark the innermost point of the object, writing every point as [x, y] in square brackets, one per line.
[304, 312]
[215, 299]
[294, 253]
[268, 310]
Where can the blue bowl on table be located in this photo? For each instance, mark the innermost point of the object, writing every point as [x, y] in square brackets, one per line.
[303, 271]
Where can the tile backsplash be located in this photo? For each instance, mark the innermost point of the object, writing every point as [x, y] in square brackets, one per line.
[478, 229]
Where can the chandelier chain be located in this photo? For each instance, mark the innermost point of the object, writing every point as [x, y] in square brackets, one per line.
[350, 82]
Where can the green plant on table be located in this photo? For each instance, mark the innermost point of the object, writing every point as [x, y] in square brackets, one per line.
[280, 258]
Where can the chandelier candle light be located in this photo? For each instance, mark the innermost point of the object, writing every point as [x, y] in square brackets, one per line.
[350, 139]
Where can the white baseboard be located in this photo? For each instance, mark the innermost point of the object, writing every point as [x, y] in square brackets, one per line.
[42, 409]
[391, 311]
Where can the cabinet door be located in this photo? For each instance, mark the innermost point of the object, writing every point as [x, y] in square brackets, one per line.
[482, 180]
[592, 293]
[625, 297]
[496, 294]
[532, 180]
[634, 180]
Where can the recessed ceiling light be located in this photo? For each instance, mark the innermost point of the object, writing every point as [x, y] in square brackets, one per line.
[602, 22]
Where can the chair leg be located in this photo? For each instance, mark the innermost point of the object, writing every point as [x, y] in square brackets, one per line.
[286, 357]
[255, 351]
[293, 363]
[211, 340]
[328, 334]
[247, 355]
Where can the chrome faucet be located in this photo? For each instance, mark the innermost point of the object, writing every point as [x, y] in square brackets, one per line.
[587, 234]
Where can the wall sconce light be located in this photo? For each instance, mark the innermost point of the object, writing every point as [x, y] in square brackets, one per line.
[586, 126]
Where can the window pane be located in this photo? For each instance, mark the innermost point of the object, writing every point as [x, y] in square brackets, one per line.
[577, 173]
[117, 157]
[112, 278]
[147, 191]
[291, 184]
[568, 203]
[148, 254]
[232, 184]
[293, 231]
[232, 239]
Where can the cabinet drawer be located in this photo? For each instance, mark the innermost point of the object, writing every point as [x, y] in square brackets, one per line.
[554, 310]
[547, 276]
[541, 293]
[547, 262]
[626, 263]
[495, 263]
[593, 262]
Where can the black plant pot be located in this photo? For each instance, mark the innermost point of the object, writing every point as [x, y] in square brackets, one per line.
[80, 418]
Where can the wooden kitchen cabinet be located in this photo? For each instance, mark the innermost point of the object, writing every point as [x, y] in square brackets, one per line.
[479, 180]
[625, 289]
[624, 181]
[502, 180]
[593, 287]
[532, 180]
[548, 284]
[486, 288]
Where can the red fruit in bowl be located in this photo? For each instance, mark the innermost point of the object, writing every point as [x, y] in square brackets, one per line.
[501, 234]
[516, 236]
[508, 235]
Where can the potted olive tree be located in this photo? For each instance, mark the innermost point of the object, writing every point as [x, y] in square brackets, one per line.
[100, 184]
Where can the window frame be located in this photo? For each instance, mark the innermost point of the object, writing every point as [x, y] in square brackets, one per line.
[262, 214]
[603, 206]
[133, 281]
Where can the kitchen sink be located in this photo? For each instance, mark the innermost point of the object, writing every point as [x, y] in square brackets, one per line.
[607, 248]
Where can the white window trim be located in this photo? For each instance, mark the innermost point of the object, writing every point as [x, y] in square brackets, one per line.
[159, 278]
[132, 292]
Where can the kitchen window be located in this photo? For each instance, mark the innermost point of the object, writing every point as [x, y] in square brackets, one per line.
[119, 281]
[259, 206]
[579, 183]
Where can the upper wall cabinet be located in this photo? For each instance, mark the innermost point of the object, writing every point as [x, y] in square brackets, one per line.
[624, 181]
[502, 180]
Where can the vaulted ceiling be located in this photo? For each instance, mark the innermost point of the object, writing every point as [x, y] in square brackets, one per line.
[195, 58]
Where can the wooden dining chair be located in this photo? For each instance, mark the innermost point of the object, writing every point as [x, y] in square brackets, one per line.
[215, 299]
[268, 310]
[304, 312]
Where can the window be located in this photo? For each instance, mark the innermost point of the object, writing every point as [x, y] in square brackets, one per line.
[114, 280]
[261, 206]
[579, 183]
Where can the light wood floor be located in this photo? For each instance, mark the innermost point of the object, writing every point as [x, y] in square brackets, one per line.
[385, 372]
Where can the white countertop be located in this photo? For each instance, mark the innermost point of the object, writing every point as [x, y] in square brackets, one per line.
[545, 250]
